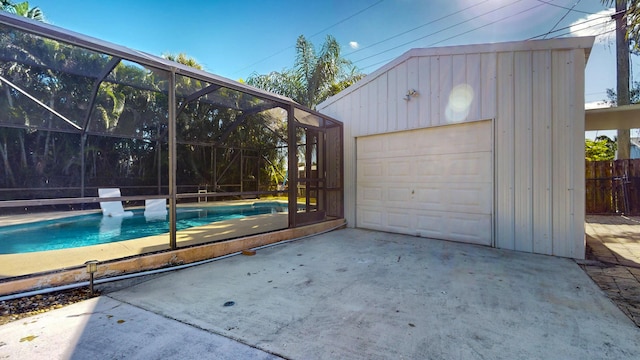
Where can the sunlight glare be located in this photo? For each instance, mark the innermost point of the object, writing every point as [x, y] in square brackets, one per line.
[460, 100]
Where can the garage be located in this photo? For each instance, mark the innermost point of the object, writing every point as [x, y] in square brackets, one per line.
[478, 143]
[415, 182]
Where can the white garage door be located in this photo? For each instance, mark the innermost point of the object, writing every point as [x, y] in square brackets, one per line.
[434, 182]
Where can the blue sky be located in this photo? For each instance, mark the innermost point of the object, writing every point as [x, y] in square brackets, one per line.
[236, 38]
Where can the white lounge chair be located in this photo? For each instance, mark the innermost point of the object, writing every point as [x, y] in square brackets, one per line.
[112, 208]
[155, 209]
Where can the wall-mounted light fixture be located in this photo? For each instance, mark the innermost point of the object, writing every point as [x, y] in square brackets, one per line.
[92, 267]
[411, 93]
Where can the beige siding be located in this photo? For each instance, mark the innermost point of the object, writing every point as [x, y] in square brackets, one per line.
[542, 156]
[532, 90]
[539, 152]
[505, 160]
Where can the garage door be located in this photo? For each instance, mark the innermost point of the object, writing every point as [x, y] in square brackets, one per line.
[434, 182]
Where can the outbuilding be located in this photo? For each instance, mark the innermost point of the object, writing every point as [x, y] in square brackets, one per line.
[481, 144]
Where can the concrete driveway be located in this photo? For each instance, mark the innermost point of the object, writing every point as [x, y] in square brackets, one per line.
[348, 294]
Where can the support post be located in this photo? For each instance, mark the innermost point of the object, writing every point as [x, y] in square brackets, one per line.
[292, 167]
[83, 170]
[172, 159]
[622, 70]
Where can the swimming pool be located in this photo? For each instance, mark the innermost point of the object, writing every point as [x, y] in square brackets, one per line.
[94, 229]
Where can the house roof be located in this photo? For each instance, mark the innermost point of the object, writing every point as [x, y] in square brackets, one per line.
[585, 43]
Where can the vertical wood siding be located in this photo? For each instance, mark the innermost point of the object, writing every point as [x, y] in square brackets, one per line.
[505, 156]
[535, 98]
[542, 156]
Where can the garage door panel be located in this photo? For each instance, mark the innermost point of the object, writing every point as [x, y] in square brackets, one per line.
[435, 182]
[399, 167]
[370, 194]
[469, 228]
[474, 167]
[460, 227]
[398, 194]
[469, 198]
[439, 140]
[430, 224]
[370, 219]
[399, 220]
[370, 169]
[370, 148]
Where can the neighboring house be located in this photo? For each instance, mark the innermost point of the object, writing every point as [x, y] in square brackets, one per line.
[478, 143]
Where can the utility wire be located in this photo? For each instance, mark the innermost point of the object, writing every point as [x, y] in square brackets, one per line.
[347, 18]
[485, 25]
[555, 37]
[566, 8]
[562, 18]
[575, 24]
[316, 34]
[457, 35]
[439, 31]
[418, 27]
[569, 33]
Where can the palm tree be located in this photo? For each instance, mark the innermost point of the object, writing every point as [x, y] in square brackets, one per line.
[183, 59]
[23, 9]
[314, 77]
[5, 5]
[633, 20]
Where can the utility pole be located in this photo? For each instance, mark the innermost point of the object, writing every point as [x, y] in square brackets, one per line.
[622, 70]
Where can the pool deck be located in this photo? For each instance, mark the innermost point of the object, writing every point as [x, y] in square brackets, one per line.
[13, 265]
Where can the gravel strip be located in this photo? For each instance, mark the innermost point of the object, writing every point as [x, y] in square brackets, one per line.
[16, 309]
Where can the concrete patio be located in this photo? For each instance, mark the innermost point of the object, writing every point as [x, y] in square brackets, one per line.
[613, 246]
[345, 294]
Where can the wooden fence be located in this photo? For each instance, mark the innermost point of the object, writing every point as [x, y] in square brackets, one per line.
[613, 187]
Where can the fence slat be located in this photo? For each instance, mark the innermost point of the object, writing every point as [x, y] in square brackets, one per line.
[612, 187]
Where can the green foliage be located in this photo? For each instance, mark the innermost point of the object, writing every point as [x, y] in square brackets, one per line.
[183, 59]
[634, 94]
[22, 9]
[315, 75]
[632, 17]
[225, 137]
[600, 149]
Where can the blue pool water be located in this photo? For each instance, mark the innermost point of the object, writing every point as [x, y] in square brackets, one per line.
[93, 229]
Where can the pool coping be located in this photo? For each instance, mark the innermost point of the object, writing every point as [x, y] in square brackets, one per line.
[163, 258]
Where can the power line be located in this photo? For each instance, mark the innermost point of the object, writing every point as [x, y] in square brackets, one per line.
[316, 34]
[418, 27]
[562, 18]
[454, 36]
[569, 32]
[439, 31]
[485, 25]
[566, 8]
[575, 24]
[347, 18]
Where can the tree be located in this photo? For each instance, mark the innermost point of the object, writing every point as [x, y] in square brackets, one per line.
[600, 149]
[634, 95]
[315, 75]
[632, 16]
[183, 59]
[22, 9]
